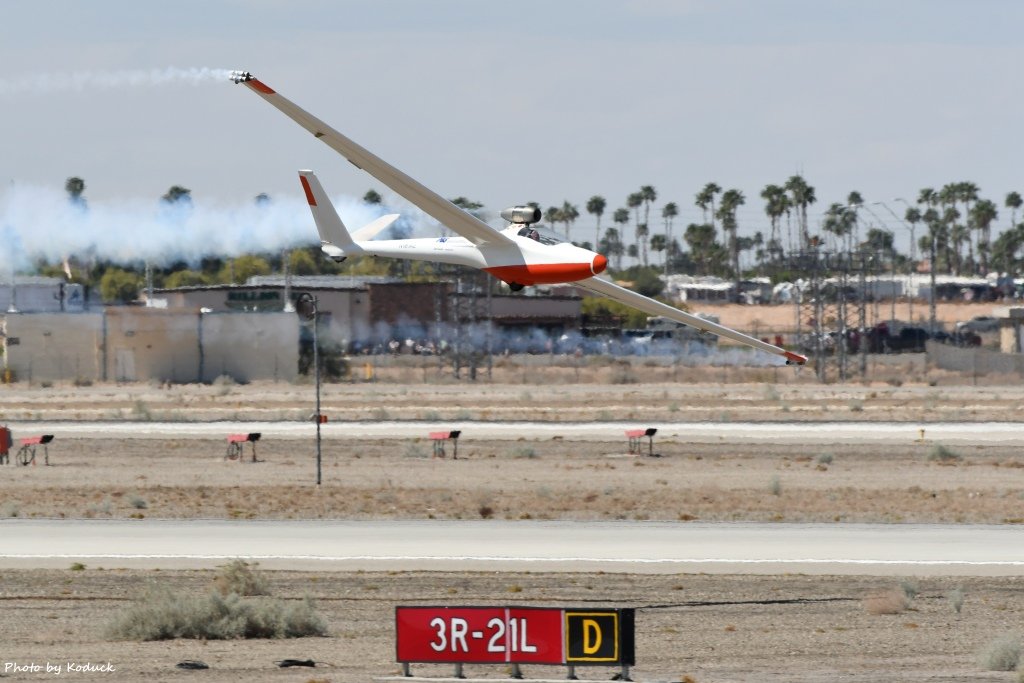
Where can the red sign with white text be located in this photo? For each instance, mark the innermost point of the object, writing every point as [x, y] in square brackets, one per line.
[478, 635]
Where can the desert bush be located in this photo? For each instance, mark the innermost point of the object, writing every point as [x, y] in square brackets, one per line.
[825, 459]
[856, 405]
[956, 599]
[161, 614]
[775, 486]
[1001, 654]
[524, 452]
[141, 411]
[415, 450]
[138, 503]
[909, 588]
[888, 602]
[940, 453]
[240, 577]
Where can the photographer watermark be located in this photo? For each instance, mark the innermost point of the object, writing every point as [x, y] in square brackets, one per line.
[57, 668]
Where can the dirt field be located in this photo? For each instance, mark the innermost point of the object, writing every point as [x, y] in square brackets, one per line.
[710, 628]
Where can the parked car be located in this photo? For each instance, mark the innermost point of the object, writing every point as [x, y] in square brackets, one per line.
[978, 324]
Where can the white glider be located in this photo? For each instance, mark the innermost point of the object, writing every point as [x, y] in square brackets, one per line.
[519, 255]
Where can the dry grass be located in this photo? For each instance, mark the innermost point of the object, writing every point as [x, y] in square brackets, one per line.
[1001, 654]
[161, 614]
[893, 601]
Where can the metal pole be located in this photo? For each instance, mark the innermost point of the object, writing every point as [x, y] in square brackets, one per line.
[316, 365]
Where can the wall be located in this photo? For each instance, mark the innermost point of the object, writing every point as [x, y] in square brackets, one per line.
[251, 346]
[149, 343]
[43, 347]
[139, 344]
[973, 360]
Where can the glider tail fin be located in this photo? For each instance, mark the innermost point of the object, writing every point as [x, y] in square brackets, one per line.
[328, 223]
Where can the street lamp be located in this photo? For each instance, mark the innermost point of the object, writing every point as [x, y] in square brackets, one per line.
[913, 247]
[306, 307]
[892, 260]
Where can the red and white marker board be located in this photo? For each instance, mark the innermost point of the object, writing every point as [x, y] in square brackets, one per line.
[524, 635]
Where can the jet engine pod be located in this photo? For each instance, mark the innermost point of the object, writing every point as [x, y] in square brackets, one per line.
[521, 214]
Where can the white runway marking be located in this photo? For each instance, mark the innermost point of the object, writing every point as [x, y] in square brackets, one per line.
[635, 547]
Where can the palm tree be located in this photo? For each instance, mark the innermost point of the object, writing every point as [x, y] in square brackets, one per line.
[372, 197]
[649, 195]
[634, 201]
[553, 215]
[957, 234]
[75, 186]
[854, 201]
[1013, 202]
[569, 215]
[659, 244]
[668, 213]
[912, 216]
[704, 250]
[621, 217]
[706, 199]
[839, 221]
[731, 201]
[178, 195]
[595, 207]
[982, 214]
[967, 192]
[611, 245]
[776, 203]
[801, 196]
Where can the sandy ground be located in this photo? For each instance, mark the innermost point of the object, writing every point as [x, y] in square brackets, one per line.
[711, 628]
[731, 628]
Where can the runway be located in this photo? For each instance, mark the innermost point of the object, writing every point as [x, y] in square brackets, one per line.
[625, 547]
[823, 433]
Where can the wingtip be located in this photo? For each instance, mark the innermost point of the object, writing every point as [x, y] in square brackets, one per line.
[794, 358]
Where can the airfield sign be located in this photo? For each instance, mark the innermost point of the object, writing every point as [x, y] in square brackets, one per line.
[515, 635]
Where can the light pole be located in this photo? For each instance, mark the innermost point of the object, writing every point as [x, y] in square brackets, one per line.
[306, 306]
[892, 262]
[913, 259]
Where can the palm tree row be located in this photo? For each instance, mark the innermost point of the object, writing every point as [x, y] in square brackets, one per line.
[958, 229]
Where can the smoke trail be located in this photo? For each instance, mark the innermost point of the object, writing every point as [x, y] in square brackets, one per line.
[40, 84]
[40, 223]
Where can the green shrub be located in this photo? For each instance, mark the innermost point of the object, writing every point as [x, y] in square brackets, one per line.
[940, 453]
[1002, 654]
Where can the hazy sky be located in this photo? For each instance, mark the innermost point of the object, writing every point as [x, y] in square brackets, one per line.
[508, 102]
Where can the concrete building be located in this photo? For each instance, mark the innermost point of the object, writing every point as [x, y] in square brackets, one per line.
[37, 294]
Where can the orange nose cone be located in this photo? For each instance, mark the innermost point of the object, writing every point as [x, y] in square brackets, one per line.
[599, 264]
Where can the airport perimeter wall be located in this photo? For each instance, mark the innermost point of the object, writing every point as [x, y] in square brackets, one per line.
[142, 344]
[974, 360]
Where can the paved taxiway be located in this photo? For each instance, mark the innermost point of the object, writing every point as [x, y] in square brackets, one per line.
[634, 547]
[694, 432]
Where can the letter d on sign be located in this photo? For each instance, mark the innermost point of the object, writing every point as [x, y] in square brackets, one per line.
[591, 637]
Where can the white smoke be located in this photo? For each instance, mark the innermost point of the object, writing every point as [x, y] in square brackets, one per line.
[41, 223]
[39, 84]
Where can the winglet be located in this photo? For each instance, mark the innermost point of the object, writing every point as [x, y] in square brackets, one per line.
[794, 358]
[328, 223]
